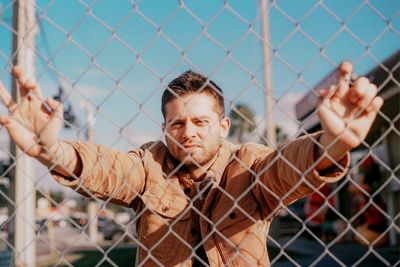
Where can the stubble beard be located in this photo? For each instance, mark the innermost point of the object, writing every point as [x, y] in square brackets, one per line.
[197, 158]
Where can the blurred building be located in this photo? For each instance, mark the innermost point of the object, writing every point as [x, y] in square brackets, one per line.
[383, 141]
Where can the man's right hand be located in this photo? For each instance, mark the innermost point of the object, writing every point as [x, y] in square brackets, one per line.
[34, 124]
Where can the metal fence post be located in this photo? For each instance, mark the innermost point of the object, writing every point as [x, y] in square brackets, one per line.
[268, 102]
[23, 182]
[92, 205]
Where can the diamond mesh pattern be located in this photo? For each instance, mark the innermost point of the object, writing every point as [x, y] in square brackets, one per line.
[119, 56]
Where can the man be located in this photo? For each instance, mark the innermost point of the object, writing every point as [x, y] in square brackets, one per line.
[199, 200]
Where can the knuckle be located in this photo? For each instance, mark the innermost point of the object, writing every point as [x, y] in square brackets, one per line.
[359, 90]
[17, 71]
[373, 86]
[361, 102]
[363, 80]
[361, 84]
[31, 152]
[379, 100]
[30, 84]
[377, 103]
[373, 90]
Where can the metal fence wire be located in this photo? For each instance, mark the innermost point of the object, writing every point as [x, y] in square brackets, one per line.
[109, 63]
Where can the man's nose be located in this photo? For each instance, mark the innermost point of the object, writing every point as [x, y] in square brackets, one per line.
[190, 130]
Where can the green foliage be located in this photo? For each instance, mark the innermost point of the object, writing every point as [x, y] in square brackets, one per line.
[280, 135]
[242, 122]
[4, 183]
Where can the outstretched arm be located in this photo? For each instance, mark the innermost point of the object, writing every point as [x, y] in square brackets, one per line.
[299, 167]
[34, 125]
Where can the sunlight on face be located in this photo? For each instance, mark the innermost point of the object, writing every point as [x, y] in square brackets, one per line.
[193, 128]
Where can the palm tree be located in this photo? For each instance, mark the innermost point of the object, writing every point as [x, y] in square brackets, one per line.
[242, 122]
[281, 136]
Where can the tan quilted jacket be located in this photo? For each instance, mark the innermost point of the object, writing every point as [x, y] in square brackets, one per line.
[248, 184]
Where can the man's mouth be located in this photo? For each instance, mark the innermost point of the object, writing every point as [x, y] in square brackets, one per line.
[188, 146]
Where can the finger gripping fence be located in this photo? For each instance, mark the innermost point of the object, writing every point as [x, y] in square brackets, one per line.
[257, 199]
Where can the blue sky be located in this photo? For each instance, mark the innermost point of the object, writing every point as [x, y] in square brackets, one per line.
[120, 55]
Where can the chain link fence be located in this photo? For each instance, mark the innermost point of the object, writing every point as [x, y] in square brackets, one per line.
[109, 63]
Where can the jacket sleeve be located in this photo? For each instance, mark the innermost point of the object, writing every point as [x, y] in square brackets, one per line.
[107, 174]
[288, 173]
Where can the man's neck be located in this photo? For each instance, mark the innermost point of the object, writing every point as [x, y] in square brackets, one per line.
[198, 173]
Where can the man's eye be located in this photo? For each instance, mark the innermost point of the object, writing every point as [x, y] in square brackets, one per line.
[202, 122]
[177, 123]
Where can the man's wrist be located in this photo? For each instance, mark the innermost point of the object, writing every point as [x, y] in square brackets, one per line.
[62, 158]
[48, 153]
[330, 151]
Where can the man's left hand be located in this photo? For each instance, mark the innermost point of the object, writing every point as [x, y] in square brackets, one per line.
[347, 111]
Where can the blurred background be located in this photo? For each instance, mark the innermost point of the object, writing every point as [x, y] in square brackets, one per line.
[109, 62]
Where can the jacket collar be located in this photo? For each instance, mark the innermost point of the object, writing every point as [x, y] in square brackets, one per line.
[217, 169]
[214, 172]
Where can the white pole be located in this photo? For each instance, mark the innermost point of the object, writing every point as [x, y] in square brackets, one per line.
[268, 102]
[50, 225]
[25, 193]
[92, 206]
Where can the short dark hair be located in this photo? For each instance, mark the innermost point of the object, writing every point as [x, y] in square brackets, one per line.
[191, 82]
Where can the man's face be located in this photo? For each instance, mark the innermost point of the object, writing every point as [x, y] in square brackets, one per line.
[193, 129]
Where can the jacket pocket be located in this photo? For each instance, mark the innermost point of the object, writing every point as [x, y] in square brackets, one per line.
[229, 212]
[172, 207]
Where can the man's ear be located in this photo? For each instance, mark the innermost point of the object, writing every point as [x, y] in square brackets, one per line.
[225, 126]
[163, 126]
